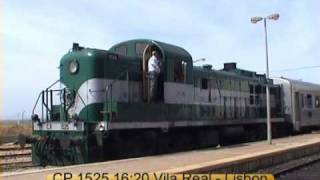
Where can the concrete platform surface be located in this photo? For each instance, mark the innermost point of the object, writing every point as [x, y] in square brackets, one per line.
[179, 162]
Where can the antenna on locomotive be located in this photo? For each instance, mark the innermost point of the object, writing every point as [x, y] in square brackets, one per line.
[198, 60]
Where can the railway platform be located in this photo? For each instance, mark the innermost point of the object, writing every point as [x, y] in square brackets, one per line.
[247, 157]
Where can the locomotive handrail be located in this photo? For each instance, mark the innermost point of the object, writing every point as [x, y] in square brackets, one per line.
[109, 87]
[53, 84]
[81, 98]
[34, 107]
[120, 74]
[41, 95]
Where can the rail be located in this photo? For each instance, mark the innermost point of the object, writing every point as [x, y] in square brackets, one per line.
[13, 157]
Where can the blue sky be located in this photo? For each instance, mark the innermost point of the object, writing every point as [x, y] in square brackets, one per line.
[36, 34]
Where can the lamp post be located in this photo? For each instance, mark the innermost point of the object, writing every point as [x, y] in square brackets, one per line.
[254, 20]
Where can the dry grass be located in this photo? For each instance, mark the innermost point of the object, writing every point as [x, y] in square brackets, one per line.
[12, 128]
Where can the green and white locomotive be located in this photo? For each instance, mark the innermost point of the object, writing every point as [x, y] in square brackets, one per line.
[104, 109]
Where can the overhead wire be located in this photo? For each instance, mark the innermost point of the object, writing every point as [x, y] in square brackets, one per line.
[296, 69]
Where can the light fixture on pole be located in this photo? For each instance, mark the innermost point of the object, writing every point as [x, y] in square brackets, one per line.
[255, 20]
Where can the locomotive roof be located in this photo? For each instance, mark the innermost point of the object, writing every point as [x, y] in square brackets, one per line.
[167, 49]
[234, 72]
[231, 74]
[298, 83]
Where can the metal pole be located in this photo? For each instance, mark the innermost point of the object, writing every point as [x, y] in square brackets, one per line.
[269, 135]
[51, 105]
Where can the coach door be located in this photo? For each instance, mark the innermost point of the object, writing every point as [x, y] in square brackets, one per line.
[297, 107]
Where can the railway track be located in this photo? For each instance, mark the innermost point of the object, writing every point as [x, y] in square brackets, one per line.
[283, 171]
[13, 157]
[309, 171]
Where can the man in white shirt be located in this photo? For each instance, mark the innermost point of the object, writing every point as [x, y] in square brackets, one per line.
[153, 72]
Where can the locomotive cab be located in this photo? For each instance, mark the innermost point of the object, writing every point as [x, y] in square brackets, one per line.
[175, 83]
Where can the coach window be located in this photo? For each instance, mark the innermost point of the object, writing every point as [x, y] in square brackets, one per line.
[121, 50]
[317, 102]
[309, 100]
[302, 100]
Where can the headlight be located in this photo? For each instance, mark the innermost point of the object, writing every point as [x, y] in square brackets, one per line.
[101, 127]
[73, 66]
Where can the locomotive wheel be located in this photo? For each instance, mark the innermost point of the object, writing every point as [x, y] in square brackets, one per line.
[135, 147]
[162, 143]
[150, 144]
[251, 134]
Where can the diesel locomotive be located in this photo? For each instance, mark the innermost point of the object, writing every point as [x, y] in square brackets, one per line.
[104, 111]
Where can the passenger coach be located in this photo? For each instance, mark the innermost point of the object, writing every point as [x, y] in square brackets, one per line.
[301, 103]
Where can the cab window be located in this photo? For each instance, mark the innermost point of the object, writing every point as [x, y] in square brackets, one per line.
[121, 50]
[140, 48]
[180, 68]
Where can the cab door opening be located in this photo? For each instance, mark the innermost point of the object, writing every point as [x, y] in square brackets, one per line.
[145, 75]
